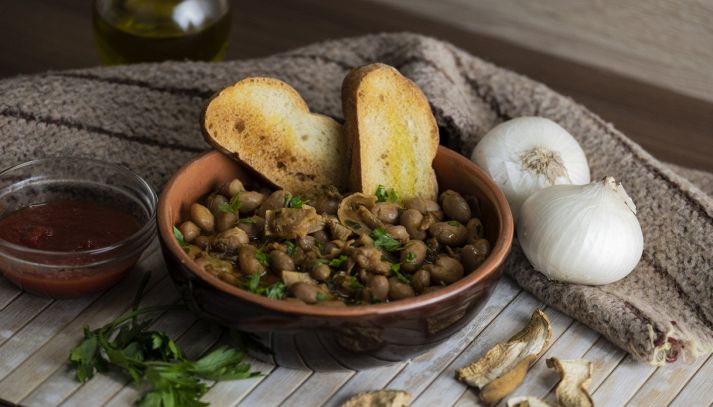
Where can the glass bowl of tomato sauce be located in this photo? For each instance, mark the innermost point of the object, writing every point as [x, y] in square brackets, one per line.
[72, 226]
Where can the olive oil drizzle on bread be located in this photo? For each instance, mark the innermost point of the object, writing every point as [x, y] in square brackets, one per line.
[391, 131]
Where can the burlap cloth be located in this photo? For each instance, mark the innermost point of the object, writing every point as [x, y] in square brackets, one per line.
[146, 117]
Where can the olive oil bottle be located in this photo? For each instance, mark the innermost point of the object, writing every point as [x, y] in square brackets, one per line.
[128, 31]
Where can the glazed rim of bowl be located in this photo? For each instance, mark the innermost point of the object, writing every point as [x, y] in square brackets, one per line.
[495, 259]
[134, 240]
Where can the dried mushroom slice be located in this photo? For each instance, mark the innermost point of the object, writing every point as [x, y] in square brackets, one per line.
[527, 401]
[575, 375]
[380, 398]
[504, 367]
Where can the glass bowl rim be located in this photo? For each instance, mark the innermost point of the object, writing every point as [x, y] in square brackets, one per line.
[147, 227]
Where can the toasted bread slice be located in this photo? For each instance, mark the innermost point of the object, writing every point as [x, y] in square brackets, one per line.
[265, 124]
[391, 131]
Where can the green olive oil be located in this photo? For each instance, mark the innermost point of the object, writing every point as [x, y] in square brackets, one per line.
[129, 31]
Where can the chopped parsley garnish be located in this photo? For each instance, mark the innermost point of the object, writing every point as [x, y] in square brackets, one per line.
[338, 261]
[453, 223]
[290, 247]
[385, 195]
[261, 256]
[354, 283]
[247, 220]
[254, 283]
[385, 241]
[294, 202]
[231, 207]
[396, 270]
[179, 237]
[321, 297]
[275, 291]
[410, 257]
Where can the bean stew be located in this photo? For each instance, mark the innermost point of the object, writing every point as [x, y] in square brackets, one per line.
[328, 249]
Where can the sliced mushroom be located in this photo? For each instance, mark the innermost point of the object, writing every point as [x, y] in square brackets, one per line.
[380, 398]
[338, 231]
[350, 215]
[575, 376]
[503, 367]
[292, 223]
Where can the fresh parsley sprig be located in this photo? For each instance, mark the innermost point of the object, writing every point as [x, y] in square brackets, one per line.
[152, 357]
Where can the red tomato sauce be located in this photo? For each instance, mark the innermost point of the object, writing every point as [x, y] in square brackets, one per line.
[67, 226]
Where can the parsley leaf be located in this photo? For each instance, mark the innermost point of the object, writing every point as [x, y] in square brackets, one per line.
[290, 247]
[179, 237]
[321, 297]
[385, 195]
[231, 207]
[410, 257]
[396, 270]
[337, 262]
[354, 283]
[275, 291]
[254, 283]
[453, 223]
[247, 220]
[294, 202]
[385, 241]
[261, 256]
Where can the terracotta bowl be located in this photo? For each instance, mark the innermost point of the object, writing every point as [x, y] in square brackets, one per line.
[354, 337]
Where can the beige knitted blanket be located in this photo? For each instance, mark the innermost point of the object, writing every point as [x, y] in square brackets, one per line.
[146, 117]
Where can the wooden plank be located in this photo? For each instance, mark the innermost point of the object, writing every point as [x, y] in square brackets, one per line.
[605, 357]
[622, 383]
[321, 384]
[52, 355]
[665, 383]
[197, 340]
[8, 292]
[287, 380]
[697, 392]
[63, 387]
[446, 390]
[19, 313]
[232, 392]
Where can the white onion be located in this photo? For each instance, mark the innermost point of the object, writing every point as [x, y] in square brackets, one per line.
[526, 154]
[584, 234]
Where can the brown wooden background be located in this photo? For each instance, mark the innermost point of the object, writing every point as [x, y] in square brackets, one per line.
[40, 35]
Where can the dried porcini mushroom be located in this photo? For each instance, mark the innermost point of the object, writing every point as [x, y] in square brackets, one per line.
[380, 398]
[528, 402]
[503, 367]
[575, 375]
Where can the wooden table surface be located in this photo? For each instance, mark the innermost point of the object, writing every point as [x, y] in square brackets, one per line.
[36, 333]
